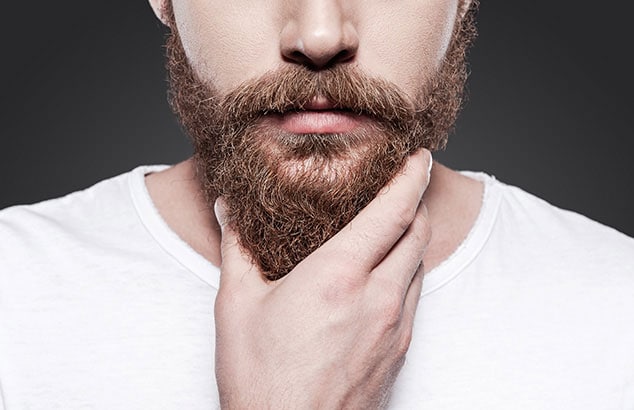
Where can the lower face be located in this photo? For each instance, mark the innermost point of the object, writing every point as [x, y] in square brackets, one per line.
[298, 152]
[230, 42]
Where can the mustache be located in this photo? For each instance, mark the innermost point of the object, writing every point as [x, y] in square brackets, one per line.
[295, 87]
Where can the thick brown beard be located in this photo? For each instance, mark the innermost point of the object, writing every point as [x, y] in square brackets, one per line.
[287, 194]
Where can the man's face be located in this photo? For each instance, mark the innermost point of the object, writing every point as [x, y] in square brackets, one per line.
[300, 111]
[229, 42]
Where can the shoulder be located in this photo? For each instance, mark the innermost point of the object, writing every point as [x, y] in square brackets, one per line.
[537, 216]
[71, 223]
[55, 250]
[81, 210]
[537, 232]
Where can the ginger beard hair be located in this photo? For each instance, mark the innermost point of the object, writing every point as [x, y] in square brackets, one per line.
[286, 194]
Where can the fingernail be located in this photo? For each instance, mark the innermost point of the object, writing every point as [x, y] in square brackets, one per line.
[430, 158]
[220, 209]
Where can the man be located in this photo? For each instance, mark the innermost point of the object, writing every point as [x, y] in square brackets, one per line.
[310, 255]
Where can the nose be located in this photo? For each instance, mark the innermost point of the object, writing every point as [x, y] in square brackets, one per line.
[318, 35]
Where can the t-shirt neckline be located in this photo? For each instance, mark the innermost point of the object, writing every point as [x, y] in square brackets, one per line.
[167, 239]
[195, 263]
[472, 245]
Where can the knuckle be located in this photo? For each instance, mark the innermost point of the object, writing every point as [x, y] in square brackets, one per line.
[419, 238]
[418, 251]
[403, 214]
[421, 221]
[420, 231]
[389, 305]
[342, 289]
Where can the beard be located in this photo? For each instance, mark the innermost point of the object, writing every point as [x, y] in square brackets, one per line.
[285, 193]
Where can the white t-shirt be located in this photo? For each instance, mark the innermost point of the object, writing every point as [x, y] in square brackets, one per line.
[102, 306]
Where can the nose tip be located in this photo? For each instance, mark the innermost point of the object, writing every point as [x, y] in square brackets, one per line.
[318, 36]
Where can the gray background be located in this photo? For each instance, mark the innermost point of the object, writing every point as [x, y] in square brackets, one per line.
[83, 98]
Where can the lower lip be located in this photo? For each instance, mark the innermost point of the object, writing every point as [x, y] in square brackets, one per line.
[317, 122]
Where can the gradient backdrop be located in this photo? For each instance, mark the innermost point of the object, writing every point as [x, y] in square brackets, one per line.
[83, 98]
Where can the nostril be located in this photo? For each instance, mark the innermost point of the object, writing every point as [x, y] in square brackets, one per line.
[298, 56]
[342, 56]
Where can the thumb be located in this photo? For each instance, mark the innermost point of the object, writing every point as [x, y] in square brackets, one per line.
[237, 268]
[220, 209]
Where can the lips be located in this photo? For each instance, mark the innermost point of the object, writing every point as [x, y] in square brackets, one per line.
[319, 116]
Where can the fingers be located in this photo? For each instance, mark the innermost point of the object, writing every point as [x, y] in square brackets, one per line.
[237, 270]
[412, 297]
[370, 235]
[361, 245]
[397, 269]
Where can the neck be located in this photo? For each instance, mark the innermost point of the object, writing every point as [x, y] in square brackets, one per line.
[453, 202]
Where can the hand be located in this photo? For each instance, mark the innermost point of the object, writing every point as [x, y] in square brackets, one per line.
[334, 332]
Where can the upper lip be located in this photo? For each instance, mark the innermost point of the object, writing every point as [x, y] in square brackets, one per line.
[319, 104]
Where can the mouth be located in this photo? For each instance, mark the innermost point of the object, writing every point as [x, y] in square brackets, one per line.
[319, 116]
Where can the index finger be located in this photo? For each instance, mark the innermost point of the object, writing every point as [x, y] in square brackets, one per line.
[374, 231]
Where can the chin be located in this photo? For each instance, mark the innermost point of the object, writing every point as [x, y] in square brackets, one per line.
[323, 171]
[324, 158]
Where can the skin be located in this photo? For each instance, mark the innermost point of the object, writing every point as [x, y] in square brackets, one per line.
[259, 36]
[356, 296]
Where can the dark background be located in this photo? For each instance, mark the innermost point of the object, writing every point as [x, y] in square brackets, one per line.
[83, 98]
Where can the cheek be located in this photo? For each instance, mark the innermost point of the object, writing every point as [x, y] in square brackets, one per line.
[225, 41]
[406, 45]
